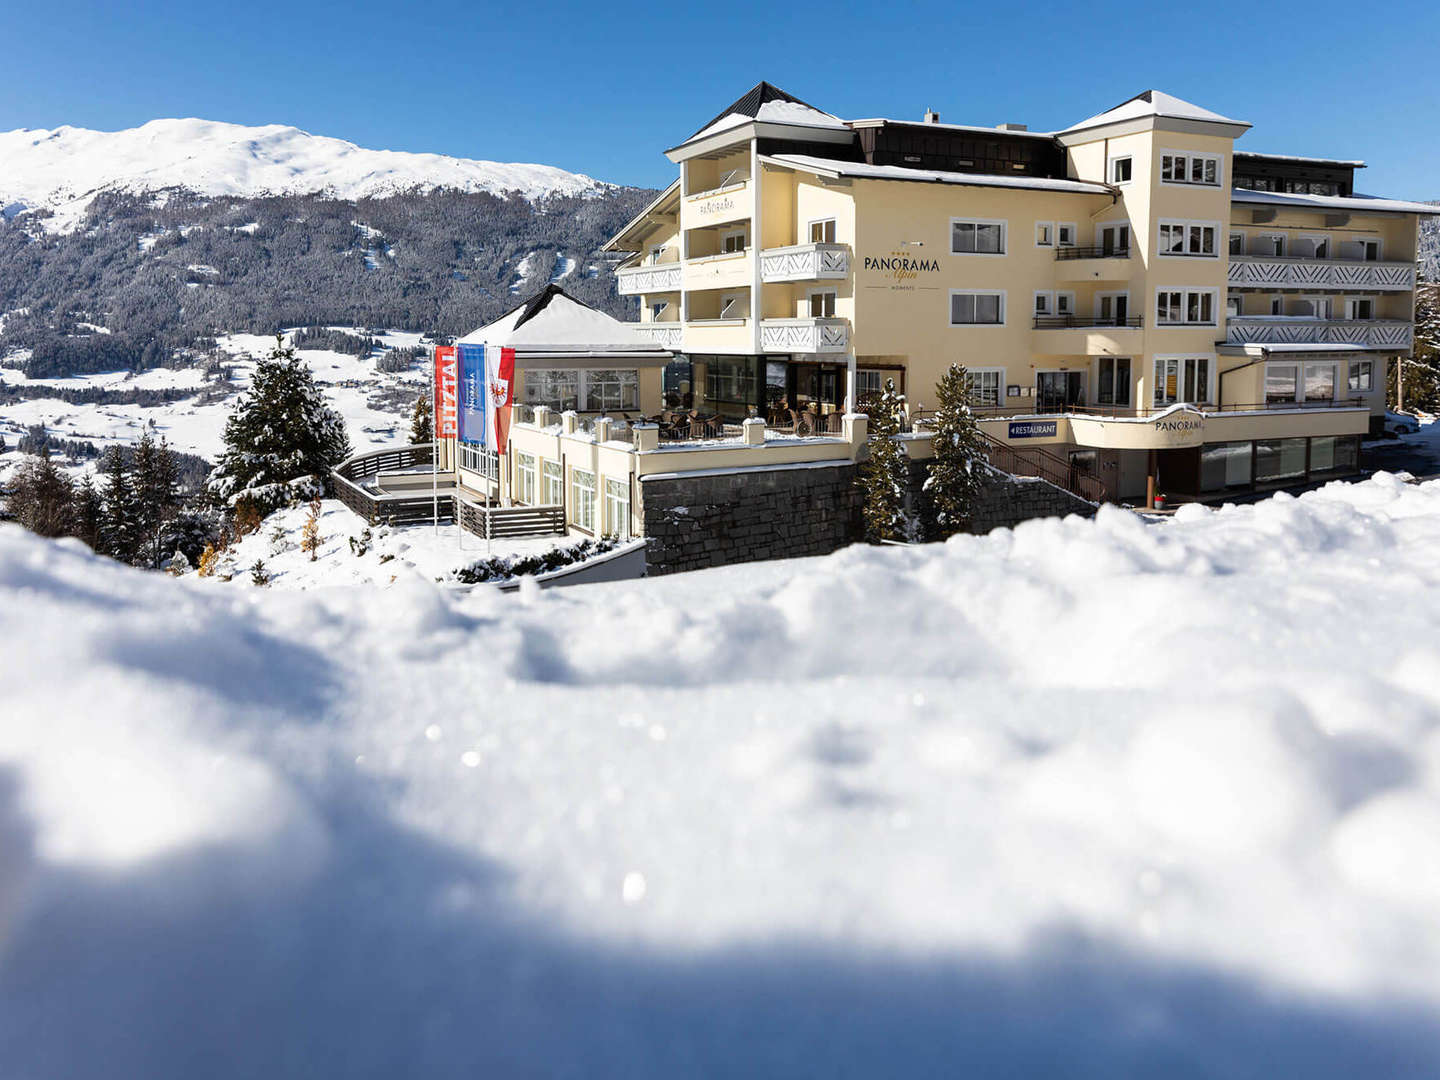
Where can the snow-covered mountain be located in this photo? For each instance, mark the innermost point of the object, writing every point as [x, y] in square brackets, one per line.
[64, 168]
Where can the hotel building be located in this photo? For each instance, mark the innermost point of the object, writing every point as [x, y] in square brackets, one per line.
[1133, 293]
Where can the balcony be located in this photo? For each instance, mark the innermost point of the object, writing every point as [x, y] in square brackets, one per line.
[805, 262]
[1076, 335]
[651, 278]
[1092, 264]
[733, 201]
[1289, 272]
[665, 334]
[804, 335]
[1298, 330]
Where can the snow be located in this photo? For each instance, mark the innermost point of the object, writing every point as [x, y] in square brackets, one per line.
[566, 324]
[1088, 798]
[1154, 103]
[831, 167]
[524, 271]
[62, 169]
[1362, 203]
[564, 267]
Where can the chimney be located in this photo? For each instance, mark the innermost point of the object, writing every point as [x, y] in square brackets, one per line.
[931, 116]
[1012, 127]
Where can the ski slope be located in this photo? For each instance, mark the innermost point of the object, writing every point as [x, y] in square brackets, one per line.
[1085, 799]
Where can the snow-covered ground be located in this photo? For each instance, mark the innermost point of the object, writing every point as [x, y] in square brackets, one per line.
[197, 427]
[1082, 799]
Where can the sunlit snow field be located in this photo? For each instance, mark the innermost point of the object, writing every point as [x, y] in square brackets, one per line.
[1082, 799]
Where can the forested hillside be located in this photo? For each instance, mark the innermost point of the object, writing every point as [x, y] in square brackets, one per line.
[148, 275]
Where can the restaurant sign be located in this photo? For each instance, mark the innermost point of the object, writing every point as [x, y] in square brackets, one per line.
[1033, 429]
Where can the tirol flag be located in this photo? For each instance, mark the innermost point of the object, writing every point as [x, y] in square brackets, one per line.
[445, 403]
[474, 405]
[500, 368]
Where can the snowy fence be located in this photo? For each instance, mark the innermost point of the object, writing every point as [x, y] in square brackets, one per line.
[510, 522]
[400, 508]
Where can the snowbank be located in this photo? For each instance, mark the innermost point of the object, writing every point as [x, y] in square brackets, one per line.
[1081, 799]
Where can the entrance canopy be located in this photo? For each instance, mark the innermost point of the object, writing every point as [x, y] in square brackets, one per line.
[554, 330]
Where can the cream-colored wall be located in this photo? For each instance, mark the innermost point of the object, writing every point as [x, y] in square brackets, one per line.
[1396, 234]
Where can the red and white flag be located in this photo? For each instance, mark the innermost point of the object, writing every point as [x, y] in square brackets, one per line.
[500, 375]
[445, 403]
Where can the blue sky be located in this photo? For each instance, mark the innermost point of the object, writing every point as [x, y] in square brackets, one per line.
[602, 88]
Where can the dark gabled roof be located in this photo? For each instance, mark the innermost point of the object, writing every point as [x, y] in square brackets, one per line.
[748, 104]
[539, 302]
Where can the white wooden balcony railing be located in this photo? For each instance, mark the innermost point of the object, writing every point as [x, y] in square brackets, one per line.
[1276, 272]
[804, 335]
[650, 278]
[805, 262]
[1296, 330]
[665, 334]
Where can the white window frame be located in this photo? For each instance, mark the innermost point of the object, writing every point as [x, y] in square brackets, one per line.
[1111, 295]
[1045, 234]
[728, 298]
[731, 234]
[1060, 227]
[582, 499]
[1211, 363]
[1186, 292]
[1379, 248]
[1110, 168]
[811, 294]
[984, 374]
[1129, 402]
[1319, 238]
[950, 307]
[1189, 156]
[655, 253]
[870, 382]
[552, 483]
[822, 222]
[1351, 301]
[526, 476]
[617, 506]
[658, 308]
[1004, 237]
[1104, 226]
[1061, 302]
[1044, 302]
[1350, 376]
[1233, 237]
[1172, 223]
[1237, 299]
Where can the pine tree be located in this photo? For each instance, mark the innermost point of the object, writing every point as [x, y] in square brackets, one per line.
[310, 538]
[177, 564]
[884, 477]
[282, 440]
[86, 513]
[118, 537]
[40, 497]
[955, 475]
[153, 478]
[421, 428]
[1422, 369]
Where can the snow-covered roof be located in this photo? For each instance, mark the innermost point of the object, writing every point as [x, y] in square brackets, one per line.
[769, 104]
[1265, 348]
[1359, 203]
[979, 129]
[553, 321]
[1256, 156]
[1154, 103]
[862, 171]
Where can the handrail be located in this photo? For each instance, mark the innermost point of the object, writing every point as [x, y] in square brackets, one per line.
[1095, 252]
[1311, 260]
[1042, 464]
[1085, 322]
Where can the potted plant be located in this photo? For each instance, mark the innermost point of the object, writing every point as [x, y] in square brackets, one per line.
[1159, 501]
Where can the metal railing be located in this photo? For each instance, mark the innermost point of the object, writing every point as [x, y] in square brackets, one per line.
[406, 508]
[1085, 322]
[1064, 253]
[1052, 468]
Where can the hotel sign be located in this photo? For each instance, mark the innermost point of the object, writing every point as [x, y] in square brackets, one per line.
[1033, 429]
[900, 268]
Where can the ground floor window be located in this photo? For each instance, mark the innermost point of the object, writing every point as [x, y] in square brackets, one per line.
[985, 386]
[1225, 465]
[552, 484]
[1182, 378]
[525, 477]
[582, 499]
[1113, 381]
[1334, 454]
[869, 383]
[731, 384]
[617, 508]
[612, 390]
[558, 388]
[1279, 459]
[476, 458]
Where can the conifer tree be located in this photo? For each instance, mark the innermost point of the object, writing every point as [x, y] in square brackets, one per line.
[40, 496]
[884, 477]
[282, 440]
[86, 512]
[957, 470]
[117, 520]
[422, 430]
[1421, 371]
[153, 482]
[310, 538]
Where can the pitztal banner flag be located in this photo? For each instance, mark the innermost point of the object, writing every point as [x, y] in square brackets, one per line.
[500, 367]
[445, 404]
[474, 404]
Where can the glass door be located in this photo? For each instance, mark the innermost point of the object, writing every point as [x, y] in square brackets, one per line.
[1057, 391]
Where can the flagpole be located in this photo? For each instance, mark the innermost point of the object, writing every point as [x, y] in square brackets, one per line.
[435, 446]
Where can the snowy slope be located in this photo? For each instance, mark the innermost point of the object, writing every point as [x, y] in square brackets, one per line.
[1085, 799]
[64, 168]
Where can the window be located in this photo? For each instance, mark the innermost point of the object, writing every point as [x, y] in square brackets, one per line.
[1237, 243]
[1054, 303]
[1279, 459]
[1314, 246]
[1277, 305]
[1234, 306]
[1113, 380]
[1044, 234]
[1291, 384]
[1185, 307]
[985, 386]
[1334, 454]
[617, 508]
[525, 477]
[1188, 238]
[558, 388]
[1360, 308]
[1270, 244]
[1362, 376]
[1043, 301]
[1112, 309]
[477, 459]
[869, 383]
[1320, 382]
[1187, 167]
[822, 303]
[582, 499]
[1121, 170]
[1115, 238]
[977, 237]
[1370, 250]
[1282, 383]
[1182, 378]
[1225, 465]
[968, 308]
[611, 390]
[657, 309]
[655, 253]
[552, 484]
[822, 232]
[732, 241]
[1065, 234]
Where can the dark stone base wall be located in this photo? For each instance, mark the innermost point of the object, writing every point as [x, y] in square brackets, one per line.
[695, 522]
[701, 521]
